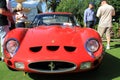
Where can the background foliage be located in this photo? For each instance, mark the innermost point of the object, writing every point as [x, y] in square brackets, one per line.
[77, 7]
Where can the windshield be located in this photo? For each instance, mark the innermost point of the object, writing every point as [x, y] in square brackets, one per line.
[54, 19]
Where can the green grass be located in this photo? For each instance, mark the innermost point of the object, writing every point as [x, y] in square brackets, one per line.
[6, 74]
[109, 70]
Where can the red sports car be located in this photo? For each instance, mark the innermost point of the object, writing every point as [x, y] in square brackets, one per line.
[54, 43]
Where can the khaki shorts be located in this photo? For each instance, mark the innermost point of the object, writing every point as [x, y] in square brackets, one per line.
[106, 30]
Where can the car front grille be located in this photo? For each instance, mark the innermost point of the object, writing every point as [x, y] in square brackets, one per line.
[52, 66]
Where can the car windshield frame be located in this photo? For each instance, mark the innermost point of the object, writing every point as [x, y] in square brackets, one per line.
[54, 19]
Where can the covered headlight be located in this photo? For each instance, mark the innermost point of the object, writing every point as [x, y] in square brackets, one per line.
[12, 46]
[92, 45]
[85, 65]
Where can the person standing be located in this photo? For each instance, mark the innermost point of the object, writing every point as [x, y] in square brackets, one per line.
[42, 6]
[105, 13]
[10, 19]
[89, 16]
[4, 23]
[20, 16]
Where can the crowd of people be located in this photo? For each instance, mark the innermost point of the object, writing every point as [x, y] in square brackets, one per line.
[104, 13]
[10, 18]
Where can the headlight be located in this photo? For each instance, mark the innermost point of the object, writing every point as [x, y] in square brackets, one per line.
[85, 65]
[12, 46]
[92, 45]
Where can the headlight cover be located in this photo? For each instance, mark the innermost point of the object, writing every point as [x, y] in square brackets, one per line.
[12, 46]
[85, 65]
[92, 45]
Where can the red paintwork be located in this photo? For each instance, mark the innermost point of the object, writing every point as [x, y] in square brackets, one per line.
[53, 35]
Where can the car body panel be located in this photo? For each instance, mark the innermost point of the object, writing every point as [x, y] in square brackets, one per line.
[52, 42]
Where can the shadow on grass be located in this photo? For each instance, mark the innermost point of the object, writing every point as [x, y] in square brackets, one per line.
[109, 69]
[115, 46]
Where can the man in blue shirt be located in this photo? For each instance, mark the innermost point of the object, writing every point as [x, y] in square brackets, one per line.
[89, 16]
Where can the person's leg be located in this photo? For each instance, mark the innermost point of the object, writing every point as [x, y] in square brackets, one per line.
[23, 24]
[108, 37]
[1, 45]
[87, 24]
[1, 41]
[20, 25]
[3, 33]
[101, 31]
[90, 24]
[17, 24]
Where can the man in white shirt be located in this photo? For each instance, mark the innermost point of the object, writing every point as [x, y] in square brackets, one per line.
[105, 13]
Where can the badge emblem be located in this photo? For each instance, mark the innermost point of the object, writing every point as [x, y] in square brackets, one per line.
[53, 41]
[52, 66]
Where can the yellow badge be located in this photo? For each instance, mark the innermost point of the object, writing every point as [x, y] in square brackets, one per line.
[53, 41]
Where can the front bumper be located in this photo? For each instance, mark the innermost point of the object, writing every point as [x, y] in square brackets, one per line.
[54, 66]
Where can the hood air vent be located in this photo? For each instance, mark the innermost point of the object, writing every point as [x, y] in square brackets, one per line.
[69, 48]
[53, 48]
[36, 49]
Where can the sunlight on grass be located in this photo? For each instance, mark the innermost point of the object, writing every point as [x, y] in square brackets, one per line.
[118, 78]
[114, 49]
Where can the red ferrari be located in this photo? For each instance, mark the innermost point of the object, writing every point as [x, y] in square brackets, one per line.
[54, 43]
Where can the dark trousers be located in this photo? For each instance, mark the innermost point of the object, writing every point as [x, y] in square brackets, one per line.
[90, 24]
[20, 25]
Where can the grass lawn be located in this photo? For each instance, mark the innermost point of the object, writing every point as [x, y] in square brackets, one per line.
[109, 70]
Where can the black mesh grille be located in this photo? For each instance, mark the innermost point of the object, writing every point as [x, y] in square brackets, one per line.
[52, 66]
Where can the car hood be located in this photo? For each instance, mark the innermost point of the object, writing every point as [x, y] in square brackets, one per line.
[48, 38]
[53, 35]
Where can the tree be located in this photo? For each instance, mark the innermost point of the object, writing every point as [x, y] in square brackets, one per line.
[116, 24]
[116, 5]
[76, 7]
[52, 4]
